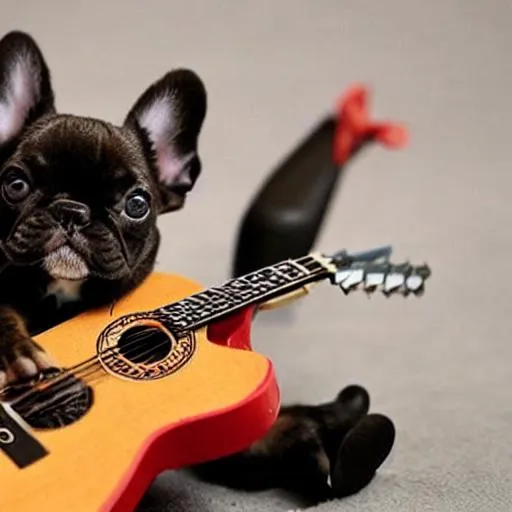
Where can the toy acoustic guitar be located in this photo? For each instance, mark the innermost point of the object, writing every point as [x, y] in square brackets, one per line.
[169, 387]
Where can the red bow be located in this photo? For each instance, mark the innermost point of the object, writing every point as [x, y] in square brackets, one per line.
[354, 126]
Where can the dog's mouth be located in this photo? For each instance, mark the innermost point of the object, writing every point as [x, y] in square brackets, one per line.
[72, 257]
[65, 263]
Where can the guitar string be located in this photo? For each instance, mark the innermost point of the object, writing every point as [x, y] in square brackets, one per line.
[97, 362]
[72, 371]
[96, 356]
[92, 370]
[63, 383]
[63, 378]
[25, 410]
[24, 399]
[94, 362]
[302, 260]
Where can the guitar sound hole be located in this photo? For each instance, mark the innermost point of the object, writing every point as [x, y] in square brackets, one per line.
[144, 344]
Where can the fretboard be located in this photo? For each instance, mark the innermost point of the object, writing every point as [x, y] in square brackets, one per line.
[259, 286]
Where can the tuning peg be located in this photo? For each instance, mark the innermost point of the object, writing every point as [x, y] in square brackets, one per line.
[414, 283]
[384, 277]
[393, 282]
[341, 275]
[353, 278]
[373, 281]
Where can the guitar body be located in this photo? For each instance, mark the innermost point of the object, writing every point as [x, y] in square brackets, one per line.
[223, 398]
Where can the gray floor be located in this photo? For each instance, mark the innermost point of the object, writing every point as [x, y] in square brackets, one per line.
[440, 366]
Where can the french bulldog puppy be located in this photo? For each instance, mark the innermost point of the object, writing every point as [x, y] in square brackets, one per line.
[79, 202]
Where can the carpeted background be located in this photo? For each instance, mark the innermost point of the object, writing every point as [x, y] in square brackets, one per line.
[439, 366]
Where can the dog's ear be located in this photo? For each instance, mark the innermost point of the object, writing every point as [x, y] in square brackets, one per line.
[168, 118]
[25, 85]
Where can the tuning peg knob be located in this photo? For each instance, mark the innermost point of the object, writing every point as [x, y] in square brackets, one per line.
[393, 282]
[352, 280]
[415, 283]
[374, 280]
[384, 277]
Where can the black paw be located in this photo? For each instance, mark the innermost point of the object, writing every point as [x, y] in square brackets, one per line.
[21, 361]
[361, 453]
[354, 399]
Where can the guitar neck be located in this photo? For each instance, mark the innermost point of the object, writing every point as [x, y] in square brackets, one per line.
[256, 287]
[361, 271]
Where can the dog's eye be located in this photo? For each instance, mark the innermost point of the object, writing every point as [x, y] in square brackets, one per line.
[15, 186]
[137, 206]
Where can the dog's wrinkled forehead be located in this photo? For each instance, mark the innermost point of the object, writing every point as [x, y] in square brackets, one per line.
[66, 150]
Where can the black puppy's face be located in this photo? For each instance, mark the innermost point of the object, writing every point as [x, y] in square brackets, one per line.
[79, 196]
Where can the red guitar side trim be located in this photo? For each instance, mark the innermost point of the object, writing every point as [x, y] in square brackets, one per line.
[197, 439]
[233, 331]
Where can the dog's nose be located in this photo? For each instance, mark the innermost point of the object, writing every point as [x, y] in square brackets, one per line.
[71, 213]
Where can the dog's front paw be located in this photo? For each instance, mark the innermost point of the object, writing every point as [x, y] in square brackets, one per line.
[21, 361]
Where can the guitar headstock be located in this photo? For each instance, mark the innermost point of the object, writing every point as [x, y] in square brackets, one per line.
[371, 271]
